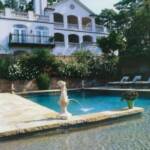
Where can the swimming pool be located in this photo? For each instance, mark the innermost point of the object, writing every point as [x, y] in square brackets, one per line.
[84, 102]
[126, 134]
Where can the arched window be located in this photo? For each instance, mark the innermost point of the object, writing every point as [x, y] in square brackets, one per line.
[87, 39]
[73, 38]
[59, 37]
[58, 18]
[42, 34]
[72, 21]
[87, 23]
[19, 33]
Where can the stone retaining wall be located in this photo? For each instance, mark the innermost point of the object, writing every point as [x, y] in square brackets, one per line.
[5, 85]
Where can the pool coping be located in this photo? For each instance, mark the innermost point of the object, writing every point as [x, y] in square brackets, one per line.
[51, 120]
[116, 89]
[54, 126]
[45, 91]
[104, 88]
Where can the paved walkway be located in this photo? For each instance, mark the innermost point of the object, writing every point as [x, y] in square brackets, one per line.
[16, 111]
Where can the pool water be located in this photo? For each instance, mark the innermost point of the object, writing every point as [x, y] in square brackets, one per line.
[131, 133]
[84, 102]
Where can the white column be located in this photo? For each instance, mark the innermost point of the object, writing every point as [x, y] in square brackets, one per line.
[30, 15]
[94, 39]
[80, 23]
[93, 25]
[66, 41]
[81, 41]
[44, 5]
[65, 22]
[37, 6]
[8, 12]
[51, 16]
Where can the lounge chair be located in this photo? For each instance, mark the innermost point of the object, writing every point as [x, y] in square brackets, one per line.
[144, 82]
[123, 80]
[136, 78]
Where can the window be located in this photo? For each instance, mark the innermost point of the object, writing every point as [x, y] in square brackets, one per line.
[42, 35]
[20, 33]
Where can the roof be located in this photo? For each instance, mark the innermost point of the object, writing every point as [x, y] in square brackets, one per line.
[77, 1]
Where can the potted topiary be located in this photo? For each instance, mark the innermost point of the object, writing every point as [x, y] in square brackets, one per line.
[130, 97]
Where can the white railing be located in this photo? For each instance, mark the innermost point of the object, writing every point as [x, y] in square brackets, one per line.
[88, 45]
[59, 24]
[21, 15]
[60, 44]
[87, 28]
[42, 18]
[77, 45]
[99, 29]
[73, 26]
[2, 12]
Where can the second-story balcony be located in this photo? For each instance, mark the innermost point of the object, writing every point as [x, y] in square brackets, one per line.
[16, 40]
[30, 15]
[59, 25]
[73, 26]
[87, 28]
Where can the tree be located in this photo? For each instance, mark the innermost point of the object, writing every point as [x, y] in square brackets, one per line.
[138, 35]
[29, 5]
[107, 18]
[22, 5]
[1, 5]
[11, 4]
[114, 42]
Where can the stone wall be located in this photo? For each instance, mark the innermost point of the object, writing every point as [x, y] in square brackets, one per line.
[5, 86]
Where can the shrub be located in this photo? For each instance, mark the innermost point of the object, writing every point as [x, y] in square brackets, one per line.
[4, 67]
[43, 81]
[20, 71]
[72, 69]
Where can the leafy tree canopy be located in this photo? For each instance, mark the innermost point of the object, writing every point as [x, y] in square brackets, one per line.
[1, 5]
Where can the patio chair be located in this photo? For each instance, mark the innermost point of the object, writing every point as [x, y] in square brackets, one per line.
[123, 80]
[144, 82]
[136, 78]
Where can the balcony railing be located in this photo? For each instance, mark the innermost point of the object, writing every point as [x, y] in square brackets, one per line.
[42, 18]
[59, 24]
[29, 40]
[74, 45]
[59, 44]
[18, 14]
[99, 29]
[87, 28]
[73, 26]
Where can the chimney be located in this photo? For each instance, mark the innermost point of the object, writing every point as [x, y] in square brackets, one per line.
[39, 6]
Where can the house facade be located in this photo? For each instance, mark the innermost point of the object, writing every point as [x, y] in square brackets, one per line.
[64, 27]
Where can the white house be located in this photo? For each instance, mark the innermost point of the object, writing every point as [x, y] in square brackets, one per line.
[70, 22]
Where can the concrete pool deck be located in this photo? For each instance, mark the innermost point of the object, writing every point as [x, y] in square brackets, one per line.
[19, 116]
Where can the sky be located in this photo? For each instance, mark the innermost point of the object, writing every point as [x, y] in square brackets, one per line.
[97, 5]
